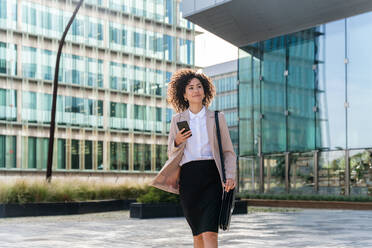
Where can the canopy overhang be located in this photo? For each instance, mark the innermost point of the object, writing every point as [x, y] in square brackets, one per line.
[242, 22]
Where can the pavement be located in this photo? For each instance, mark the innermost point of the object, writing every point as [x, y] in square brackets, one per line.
[260, 228]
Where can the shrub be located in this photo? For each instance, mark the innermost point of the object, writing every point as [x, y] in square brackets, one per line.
[155, 195]
[24, 191]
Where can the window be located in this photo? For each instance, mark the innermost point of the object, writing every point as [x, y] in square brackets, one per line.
[75, 154]
[8, 151]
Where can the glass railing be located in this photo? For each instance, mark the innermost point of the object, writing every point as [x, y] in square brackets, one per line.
[301, 175]
[159, 126]
[118, 123]
[331, 172]
[274, 174]
[249, 171]
[8, 113]
[360, 172]
[62, 118]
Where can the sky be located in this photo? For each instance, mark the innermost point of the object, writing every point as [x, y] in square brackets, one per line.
[211, 50]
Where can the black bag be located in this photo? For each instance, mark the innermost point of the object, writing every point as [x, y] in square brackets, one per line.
[228, 198]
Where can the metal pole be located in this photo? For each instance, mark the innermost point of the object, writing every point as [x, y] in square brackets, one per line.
[262, 169]
[54, 101]
[316, 176]
[347, 172]
[287, 173]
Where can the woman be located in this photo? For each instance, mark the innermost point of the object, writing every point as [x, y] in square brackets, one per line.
[193, 168]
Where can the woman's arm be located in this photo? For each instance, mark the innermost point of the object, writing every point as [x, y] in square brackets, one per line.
[175, 134]
[171, 137]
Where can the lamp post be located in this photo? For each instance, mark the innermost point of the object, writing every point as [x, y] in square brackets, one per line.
[54, 101]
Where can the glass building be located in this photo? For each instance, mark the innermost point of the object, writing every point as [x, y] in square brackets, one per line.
[304, 100]
[225, 79]
[304, 92]
[112, 114]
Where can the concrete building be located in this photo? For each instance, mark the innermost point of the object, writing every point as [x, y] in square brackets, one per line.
[112, 117]
[225, 78]
[304, 92]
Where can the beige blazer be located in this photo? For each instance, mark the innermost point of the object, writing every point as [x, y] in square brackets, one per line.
[168, 177]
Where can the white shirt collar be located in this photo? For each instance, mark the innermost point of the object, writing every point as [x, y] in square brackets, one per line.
[201, 114]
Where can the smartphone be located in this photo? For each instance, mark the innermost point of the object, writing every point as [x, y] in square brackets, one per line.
[183, 124]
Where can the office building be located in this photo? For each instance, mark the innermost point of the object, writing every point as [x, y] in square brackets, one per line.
[112, 118]
[225, 78]
[304, 92]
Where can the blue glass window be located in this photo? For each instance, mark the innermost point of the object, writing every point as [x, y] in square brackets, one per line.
[3, 9]
[169, 11]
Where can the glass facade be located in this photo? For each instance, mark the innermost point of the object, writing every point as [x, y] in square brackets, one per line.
[40, 20]
[303, 110]
[112, 113]
[226, 100]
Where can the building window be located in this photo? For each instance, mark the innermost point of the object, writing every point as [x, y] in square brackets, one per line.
[161, 156]
[142, 157]
[61, 154]
[75, 154]
[88, 155]
[119, 156]
[37, 153]
[8, 151]
[8, 105]
[100, 155]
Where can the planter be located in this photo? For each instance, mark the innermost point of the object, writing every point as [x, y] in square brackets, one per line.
[310, 204]
[58, 208]
[163, 210]
[155, 210]
[240, 207]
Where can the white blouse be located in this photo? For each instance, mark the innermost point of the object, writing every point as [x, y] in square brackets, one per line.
[197, 146]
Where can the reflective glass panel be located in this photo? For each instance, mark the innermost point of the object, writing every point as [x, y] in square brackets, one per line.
[359, 81]
[331, 172]
[331, 93]
[249, 174]
[274, 173]
[301, 175]
[300, 90]
[273, 95]
[361, 172]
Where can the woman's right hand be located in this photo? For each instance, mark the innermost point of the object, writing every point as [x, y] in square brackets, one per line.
[181, 137]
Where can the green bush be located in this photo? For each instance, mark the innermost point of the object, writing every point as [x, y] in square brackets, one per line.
[66, 191]
[155, 195]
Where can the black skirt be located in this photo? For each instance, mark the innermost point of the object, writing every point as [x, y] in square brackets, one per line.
[200, 195]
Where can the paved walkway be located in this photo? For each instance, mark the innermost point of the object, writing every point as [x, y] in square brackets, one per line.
[302, 228]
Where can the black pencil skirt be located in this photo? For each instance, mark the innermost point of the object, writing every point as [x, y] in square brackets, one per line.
[200, 195]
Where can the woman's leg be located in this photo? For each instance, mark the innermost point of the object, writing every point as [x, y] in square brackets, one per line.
[198, 241]
[210, 239]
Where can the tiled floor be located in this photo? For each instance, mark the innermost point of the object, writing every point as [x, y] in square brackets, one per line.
[303, 228]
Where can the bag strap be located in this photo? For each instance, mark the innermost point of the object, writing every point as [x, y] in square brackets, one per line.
[220, 145]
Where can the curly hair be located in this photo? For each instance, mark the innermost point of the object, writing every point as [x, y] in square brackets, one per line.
[177, 88]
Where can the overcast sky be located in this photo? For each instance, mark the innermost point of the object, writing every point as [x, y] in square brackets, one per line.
[211, 50]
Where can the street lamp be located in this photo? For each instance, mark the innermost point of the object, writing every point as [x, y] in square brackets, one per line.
[54, 101]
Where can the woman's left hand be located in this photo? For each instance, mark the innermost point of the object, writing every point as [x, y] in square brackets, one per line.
[230, 184]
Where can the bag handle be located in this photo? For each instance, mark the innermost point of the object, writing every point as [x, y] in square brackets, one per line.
[220, 145]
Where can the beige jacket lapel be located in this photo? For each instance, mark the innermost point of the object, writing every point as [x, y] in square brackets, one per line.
[167, 178]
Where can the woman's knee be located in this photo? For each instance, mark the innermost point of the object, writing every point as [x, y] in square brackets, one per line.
[209, 235]
[198, 237]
